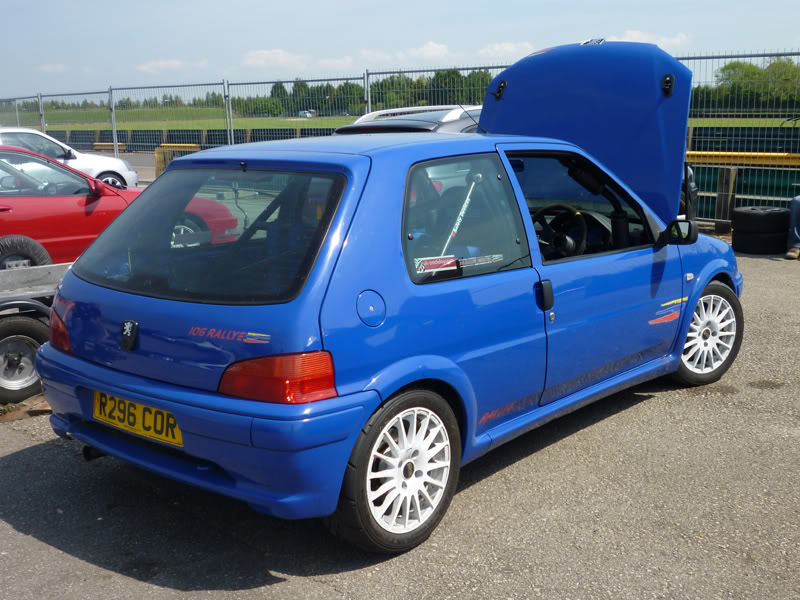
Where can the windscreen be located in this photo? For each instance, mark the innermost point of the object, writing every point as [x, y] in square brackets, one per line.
[221, 236]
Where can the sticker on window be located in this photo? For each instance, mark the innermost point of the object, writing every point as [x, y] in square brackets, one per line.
[480, 260]
[434, 264]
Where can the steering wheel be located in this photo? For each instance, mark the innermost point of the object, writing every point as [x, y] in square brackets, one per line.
[563, 244]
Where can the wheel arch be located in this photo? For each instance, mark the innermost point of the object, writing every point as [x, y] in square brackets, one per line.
[715, 270]
[450, 395]
[724, 277]
[439, 375]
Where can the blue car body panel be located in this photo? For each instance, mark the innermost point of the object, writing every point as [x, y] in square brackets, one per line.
[610, 102]
[484, 342]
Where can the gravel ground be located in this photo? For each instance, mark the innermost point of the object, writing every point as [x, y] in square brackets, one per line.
[655, 492]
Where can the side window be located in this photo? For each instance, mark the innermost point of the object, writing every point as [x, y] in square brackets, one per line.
[577, 209]
[34, 176]
[36, 143]
[461, 219]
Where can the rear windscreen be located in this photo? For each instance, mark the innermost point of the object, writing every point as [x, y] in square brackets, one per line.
[220, 236]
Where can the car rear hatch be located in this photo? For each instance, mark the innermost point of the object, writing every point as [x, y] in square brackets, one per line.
[625, 103]
[215, 263]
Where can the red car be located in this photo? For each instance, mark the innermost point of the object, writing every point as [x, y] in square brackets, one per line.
[50, 212]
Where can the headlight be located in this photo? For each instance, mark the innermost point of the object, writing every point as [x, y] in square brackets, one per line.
[127, 164]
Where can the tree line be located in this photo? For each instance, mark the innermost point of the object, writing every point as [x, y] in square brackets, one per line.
[744, 87]
[738, 86]
[289, 98]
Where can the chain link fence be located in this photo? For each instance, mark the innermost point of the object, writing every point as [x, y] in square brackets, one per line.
[744, 130]
[743, 138]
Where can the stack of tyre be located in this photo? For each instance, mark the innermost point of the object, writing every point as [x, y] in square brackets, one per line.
[760, 229]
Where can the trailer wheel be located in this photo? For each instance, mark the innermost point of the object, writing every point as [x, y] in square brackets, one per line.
[20, 338]
[19, 250]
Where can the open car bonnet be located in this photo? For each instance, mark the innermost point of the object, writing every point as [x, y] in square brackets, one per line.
[625, 103]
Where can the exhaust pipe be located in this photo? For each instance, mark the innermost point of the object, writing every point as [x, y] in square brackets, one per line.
[90, 453]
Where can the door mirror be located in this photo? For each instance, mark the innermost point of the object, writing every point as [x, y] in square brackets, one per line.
[95, 188]
[9, 182]
[680, 233]
[69, 154]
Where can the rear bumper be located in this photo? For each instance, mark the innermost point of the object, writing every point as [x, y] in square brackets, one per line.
[287, 461]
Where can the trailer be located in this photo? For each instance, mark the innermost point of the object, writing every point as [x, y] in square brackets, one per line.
[25, 298]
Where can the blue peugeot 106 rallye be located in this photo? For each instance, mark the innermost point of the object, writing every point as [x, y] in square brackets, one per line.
[392, 306]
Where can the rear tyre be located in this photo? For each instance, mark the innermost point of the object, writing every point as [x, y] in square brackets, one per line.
[19, 250]
[111, 178]
[759, 243]
[760, 219]
[401, 476]
[20, 338]
[714, 338]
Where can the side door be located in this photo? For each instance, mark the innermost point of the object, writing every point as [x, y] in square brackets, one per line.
[617, 294]
[51, 204]
[469, 264]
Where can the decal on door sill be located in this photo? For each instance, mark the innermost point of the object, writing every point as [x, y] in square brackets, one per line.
[511, 407]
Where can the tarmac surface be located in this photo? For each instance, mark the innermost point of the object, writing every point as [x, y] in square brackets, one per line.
[655, 492]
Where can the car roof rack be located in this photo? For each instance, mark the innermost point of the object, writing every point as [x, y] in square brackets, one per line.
[456, 112]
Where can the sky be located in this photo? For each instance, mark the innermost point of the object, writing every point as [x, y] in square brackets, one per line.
[89, 45]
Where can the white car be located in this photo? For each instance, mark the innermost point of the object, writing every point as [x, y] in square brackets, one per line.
[114, 171]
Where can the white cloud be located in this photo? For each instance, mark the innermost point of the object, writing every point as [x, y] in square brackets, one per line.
[430, 51]
[161, 64]
[275, 57]
[89, 70]
[345, 62]
[380, 57]
[506, 50]
[665, 42]
[54, 68]
[171, 64]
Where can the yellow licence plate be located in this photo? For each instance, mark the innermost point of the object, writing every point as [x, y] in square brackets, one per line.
[146, 421]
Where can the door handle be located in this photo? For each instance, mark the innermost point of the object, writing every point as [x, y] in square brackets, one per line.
[544, 294]
[5, 209]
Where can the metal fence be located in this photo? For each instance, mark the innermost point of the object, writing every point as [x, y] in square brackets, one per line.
[744, 130]
[743, 138]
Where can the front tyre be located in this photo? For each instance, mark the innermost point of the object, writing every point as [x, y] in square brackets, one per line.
[401, 476]
[714, 338]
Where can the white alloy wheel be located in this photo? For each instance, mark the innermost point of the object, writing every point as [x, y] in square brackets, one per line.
[409, 465]
[711, 336]
[112, 179]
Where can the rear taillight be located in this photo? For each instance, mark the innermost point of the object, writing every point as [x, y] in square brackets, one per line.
[59, 338]
[284, 379]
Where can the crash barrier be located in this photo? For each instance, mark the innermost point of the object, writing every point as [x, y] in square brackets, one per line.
[727, 180]
[164, 153]
[785, 138]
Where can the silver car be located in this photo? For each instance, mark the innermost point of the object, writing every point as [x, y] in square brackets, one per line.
[114, 171]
